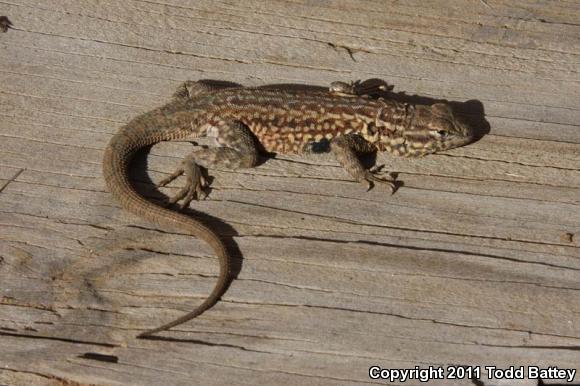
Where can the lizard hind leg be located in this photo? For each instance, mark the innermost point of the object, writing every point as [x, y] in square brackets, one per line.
[345, 149]
[237, 148]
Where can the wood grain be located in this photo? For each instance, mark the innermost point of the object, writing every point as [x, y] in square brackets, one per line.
[475, 260]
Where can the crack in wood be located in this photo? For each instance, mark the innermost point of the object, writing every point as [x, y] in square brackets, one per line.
[381, 226]
[12, 179]
[100, 357]
[66, 340]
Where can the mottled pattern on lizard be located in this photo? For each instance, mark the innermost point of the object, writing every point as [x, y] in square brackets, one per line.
[243, 122]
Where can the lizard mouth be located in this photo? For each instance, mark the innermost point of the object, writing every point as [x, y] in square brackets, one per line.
[463, 134]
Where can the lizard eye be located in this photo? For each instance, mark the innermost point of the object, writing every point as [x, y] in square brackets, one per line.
[442, 133]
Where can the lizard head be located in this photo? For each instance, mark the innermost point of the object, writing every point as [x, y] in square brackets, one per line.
[429, 129]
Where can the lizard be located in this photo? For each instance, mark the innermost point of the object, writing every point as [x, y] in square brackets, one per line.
[244, 122]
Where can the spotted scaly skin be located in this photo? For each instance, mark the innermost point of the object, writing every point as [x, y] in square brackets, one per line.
[244, 122]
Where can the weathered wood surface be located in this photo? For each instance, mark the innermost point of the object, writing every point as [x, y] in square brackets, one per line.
[476, 260]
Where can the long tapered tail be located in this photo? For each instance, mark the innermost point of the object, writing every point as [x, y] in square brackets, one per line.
[117, 158]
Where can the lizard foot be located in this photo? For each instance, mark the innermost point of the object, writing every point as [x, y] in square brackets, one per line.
[195, 186]
[378, 175]
[357, 88]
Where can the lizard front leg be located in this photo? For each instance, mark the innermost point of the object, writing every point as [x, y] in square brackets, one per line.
[345, 149]
[236, 149]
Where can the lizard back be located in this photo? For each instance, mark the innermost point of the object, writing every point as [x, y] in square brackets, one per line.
[287, 121]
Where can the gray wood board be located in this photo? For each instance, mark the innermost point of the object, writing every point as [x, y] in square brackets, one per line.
[474, 261]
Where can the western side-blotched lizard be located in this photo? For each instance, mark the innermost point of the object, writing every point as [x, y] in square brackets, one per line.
[246, 121]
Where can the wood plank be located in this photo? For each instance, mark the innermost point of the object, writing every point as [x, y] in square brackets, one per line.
[474, 261]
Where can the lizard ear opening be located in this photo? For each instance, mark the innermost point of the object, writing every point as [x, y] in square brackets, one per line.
[442, 109]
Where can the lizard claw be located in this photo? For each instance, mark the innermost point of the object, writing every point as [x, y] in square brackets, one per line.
[377, 175]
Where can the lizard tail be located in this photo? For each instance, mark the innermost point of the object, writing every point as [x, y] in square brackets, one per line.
[118, 155]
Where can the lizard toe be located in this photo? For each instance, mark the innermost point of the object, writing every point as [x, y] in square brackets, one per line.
[171, 177]
[383, 178]
[179, 196]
